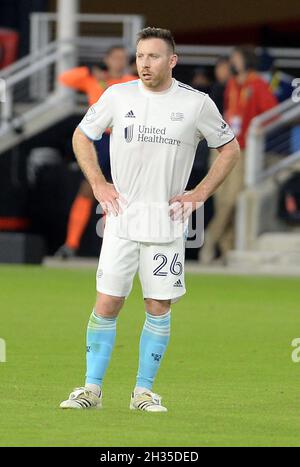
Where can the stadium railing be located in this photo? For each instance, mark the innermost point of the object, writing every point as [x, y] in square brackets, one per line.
[287, 58]
[109, 29]
[31, 98]
[271, 155]
[43, 29]
[115, 29]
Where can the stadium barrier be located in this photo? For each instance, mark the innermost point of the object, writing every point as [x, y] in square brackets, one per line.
[21, 248]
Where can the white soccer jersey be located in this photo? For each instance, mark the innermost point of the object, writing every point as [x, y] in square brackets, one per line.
[152, 149]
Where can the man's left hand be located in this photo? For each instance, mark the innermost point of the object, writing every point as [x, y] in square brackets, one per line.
[182, 206]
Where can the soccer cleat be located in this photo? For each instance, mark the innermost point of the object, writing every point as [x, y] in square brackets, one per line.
[147, 401]
[65, 252]
[82, 398]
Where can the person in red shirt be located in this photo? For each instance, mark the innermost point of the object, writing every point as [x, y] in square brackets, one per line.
[93, 83]
[246, 96]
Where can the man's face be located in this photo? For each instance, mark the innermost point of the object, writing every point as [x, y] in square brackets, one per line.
[117, 61]
[154, 61]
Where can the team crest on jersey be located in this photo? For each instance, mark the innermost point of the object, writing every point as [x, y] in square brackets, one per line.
[128, 133]
[177, 116]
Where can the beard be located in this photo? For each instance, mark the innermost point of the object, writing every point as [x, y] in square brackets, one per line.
[153, 81]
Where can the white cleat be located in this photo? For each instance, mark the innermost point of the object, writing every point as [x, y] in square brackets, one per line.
[147, 401]
[82, 398]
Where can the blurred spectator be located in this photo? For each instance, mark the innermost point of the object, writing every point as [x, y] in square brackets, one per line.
[279, 142]
[93, 83]
[246, 96]
[222, 75]
[280, 82]
[201, 80]
[9, 42]
[132, 65]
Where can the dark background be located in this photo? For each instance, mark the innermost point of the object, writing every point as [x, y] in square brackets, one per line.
[261, 22]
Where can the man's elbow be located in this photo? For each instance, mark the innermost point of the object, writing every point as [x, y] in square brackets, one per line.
[231, 151]
[78, 135]
[235, 151]
[80, 138]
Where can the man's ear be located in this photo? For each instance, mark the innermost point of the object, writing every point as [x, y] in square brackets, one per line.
[174, 60]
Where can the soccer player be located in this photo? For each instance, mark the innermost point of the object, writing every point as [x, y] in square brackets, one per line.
[156, 124]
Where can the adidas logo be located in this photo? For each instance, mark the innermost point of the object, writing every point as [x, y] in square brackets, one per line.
[130, 114]
[178, 283]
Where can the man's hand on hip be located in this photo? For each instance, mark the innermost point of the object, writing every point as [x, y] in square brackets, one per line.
[109, 199]
[182, 206]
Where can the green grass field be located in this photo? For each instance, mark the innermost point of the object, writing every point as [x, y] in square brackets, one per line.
[227, 378]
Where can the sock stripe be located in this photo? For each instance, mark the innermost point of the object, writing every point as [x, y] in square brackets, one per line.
[157, 326]
[158, 317]
[99, 323]
[158, 330]
[101, 327]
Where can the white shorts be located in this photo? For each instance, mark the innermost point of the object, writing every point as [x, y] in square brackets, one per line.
[160, 267]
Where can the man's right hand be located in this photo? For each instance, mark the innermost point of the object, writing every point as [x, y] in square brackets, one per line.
[109, 199]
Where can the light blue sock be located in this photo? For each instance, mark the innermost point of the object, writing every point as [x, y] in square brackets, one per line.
[153, 343]
[100, 339]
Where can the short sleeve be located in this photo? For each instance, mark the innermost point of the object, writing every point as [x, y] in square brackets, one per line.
[99, 117]
[212, 126]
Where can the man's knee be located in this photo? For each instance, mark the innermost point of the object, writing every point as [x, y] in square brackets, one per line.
[157, 307]
[108, 306]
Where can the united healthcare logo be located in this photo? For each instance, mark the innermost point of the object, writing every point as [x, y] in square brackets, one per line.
[128, 133]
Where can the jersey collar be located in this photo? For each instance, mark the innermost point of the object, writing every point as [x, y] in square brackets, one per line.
[153, 94]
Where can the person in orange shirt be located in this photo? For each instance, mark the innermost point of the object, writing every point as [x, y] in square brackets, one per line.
[246, 96]
[93, 83]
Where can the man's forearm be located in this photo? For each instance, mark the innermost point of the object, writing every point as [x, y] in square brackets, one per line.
[87, 158]
[220, 169]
